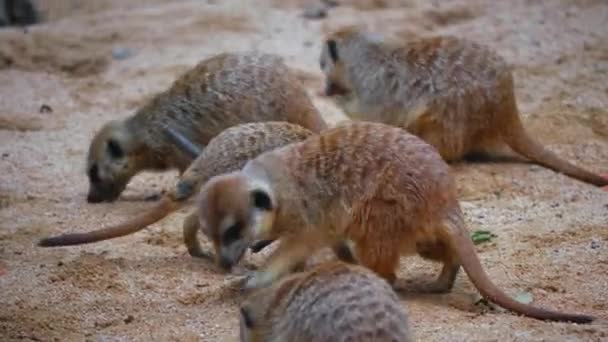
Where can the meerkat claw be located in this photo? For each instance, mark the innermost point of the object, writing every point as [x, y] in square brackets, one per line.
[256, 280]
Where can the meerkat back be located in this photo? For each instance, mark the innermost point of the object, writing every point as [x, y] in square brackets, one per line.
[333, 301]
[235, 88]
[220, 92]
[455, 94]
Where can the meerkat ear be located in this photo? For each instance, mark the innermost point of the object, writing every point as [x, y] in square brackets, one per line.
[332, 47]
[261, 200]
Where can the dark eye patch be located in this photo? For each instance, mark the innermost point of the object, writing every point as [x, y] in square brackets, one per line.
[333, 50]
[115, 149]
[246, 318]
[94, 174]
[261, 200]
[232, 233]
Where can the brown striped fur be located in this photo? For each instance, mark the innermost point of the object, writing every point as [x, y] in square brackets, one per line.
[228, 151]
[333, 301]
[455, 94]
[222, 91]
[377, 188]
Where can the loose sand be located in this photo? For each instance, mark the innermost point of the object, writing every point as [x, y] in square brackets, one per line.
[552, 231]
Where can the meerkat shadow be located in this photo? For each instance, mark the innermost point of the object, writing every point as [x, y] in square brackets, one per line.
[150, 197]
[485, 157]
[418, 291]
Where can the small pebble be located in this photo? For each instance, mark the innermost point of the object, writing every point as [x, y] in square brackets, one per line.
[121, 52]
[315, 11]
[595, 244]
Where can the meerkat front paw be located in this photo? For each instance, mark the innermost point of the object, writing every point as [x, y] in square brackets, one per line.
[257, 279]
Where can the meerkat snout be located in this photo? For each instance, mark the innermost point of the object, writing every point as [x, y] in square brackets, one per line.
[110, 162]
[234, 214]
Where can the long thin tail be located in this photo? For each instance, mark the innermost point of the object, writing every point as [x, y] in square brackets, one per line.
[468, 257]
[517, 138]
[183, 143]
[162, 209]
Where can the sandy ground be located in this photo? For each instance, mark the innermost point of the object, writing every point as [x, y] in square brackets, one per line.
[552, 236]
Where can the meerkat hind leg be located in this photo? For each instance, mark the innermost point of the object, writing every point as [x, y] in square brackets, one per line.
[445, 282]
[438, 252]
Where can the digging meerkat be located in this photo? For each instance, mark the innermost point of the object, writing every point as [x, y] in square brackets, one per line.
[226, 152]
[455, 94]
[378, 189]
[333, 301]
[222, 91]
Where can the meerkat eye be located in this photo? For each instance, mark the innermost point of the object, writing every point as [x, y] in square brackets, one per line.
[94, 174]
[246, 318]
[332, 47]
[115, 150]
[261, 200]
[232, 233]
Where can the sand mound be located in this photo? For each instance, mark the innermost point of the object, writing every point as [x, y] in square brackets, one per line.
[50, 52]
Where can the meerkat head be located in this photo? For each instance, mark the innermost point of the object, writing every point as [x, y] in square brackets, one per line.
[332, 65]
[345, 50]
[234, 213]
[111, 162]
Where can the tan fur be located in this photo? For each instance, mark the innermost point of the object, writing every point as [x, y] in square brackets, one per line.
[455, 94]
[383, 191]
[333, 301]
[228, 151]
[219, 92]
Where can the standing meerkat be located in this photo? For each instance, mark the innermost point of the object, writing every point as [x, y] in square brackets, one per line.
[220, 92]
[455, 94]
[333, 301]
[378, 189]
[228, 151]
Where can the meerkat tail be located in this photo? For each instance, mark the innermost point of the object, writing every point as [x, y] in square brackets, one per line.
[472, 266]
[183, 143]
[522, 143]
[161, 210]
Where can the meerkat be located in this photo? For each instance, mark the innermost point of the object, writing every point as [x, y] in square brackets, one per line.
[333, 301]
[226, 152]
[380, 190]
[455, 94]
[219, 92]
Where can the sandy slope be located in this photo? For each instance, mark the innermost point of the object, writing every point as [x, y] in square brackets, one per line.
[552, 230]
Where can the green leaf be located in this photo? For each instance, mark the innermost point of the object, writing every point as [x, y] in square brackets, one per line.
[481, 236]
